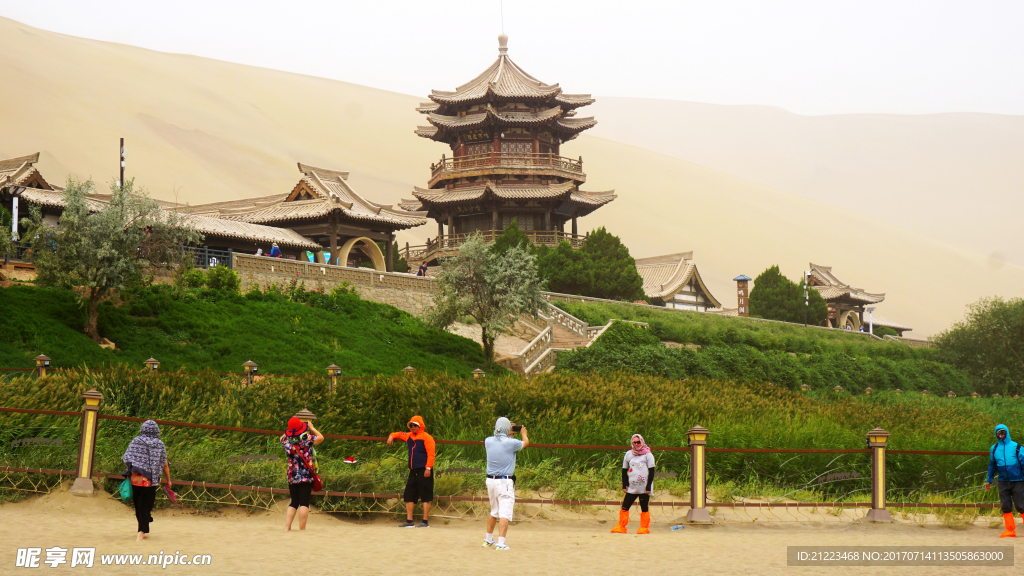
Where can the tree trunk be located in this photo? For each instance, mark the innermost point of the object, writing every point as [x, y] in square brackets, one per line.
[95, 296]
[488, 342]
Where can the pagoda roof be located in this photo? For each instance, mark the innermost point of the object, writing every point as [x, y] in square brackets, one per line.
[554, 118]
[504, 80]
[318, 193]
[832, 288]
[21, 171]
[566, 190]
[664, 276]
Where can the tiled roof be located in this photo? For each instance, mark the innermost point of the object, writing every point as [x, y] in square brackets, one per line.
[204, 224]
[501, 118]
[576, 125]
[832, 288]
[503, 80]
[18, 171]
[592, 198]
[878, 320]
[249, 231]
[332, 193]
[446, 196]
[664, 276]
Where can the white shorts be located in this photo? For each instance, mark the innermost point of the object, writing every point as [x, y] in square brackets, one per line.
[501, 492]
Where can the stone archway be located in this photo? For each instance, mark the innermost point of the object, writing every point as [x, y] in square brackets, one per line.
[851, 318]
[369, 247]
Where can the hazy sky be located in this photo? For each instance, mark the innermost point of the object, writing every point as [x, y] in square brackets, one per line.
[818, 57]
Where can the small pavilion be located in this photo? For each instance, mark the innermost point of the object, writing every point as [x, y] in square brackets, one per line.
[846, 304]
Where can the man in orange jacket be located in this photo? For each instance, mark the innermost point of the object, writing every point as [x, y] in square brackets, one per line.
[420, 485]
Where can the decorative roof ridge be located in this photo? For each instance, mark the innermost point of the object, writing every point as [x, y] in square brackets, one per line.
[648, 260]
[307, 168]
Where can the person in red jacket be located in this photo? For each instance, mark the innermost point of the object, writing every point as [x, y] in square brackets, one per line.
[420, 485]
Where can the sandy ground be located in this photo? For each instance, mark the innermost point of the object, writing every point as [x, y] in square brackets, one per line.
[504, 344]
[256, 544]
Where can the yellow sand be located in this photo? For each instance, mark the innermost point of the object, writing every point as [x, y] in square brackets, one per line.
[199, 130]
[256, 544]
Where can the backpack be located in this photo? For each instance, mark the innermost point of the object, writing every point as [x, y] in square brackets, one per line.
[1020, 466]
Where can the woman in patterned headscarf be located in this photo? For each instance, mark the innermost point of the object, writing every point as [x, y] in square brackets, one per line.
[637, 482]
[146, 458]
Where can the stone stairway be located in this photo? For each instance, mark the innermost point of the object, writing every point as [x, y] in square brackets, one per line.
[565, 339]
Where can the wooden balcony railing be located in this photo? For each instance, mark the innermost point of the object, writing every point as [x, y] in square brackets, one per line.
[506, 160]
[453, 241]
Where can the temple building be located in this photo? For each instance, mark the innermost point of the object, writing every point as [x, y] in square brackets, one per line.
[324, 208]
[846, 304]
[321, 212]
[504, 130]
[672, 281]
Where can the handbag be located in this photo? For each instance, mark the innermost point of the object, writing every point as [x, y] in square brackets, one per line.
[318, 484]
[126, 489]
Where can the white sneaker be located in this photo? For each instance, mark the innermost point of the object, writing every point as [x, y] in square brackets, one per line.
[488, 544]
[500, 547]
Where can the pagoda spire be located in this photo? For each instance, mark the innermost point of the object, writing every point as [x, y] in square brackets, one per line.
[502, 44]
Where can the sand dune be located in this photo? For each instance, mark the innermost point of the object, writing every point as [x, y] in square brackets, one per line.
[956, 178]
[200, 131]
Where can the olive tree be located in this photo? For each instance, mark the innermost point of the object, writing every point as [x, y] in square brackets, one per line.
[103, 247]
[494, 289]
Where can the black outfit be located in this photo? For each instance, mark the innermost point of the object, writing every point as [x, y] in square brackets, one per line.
[645, 499]
[300, 493]
[144, 497]
[1011, 495]
[419, 486]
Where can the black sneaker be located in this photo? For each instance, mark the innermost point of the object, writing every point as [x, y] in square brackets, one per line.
[424, 524]
[407, 524]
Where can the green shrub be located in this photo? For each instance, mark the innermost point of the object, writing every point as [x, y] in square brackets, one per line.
[883, 331]
[223, 278]
[626, 335]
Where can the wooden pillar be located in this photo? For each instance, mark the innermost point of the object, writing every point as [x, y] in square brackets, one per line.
[547, 220]
[451, 224]
[389, 262]
[334, 241]
[495, 221]
[574, 231]
[440, 228]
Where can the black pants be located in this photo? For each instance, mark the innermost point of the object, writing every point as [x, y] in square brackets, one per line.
[419, 487]
[300, 494]
[144, 497]
[627, 502]
[1011, 495]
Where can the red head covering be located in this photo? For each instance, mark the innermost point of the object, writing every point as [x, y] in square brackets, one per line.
[295, 427]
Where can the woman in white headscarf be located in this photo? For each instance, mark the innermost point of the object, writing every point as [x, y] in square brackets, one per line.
[146, 458]
[637, 482]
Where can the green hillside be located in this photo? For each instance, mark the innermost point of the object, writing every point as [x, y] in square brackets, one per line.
[284, 332]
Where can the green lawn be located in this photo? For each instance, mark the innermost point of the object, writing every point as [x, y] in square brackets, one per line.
[199, 329]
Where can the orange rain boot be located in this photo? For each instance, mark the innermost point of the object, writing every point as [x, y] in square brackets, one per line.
[645, 523]
[623, 520]
[1011, 531]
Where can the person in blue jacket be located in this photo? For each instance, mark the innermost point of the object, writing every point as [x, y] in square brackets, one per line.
[1005, 462]
[275, 252]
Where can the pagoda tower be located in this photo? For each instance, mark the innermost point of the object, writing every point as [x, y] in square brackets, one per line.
[504, 130]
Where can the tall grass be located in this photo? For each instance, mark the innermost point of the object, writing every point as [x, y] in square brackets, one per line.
[556, 408]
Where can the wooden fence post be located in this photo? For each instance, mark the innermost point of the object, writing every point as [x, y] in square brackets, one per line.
[334, 371]
[697, 437]
[87, 444]
[877, 439]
